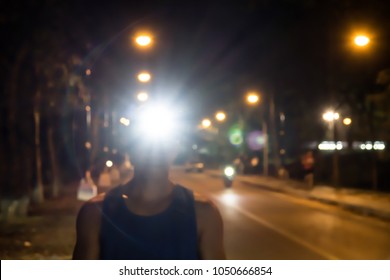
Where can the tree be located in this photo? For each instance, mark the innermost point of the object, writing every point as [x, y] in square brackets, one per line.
[39, 58]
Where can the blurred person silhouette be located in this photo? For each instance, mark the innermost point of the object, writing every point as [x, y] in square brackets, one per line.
[150, 217]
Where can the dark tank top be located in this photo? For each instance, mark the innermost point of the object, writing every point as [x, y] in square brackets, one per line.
[169, 235]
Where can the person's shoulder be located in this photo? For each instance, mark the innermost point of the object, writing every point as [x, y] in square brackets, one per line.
[205, 207]
[92, 208]
[96, 200]
[209, 229]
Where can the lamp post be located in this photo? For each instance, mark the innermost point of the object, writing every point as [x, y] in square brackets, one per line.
[360, 41]
[331, 117]
[252, 99]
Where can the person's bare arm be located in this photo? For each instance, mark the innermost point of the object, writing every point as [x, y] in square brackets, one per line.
[87, 231]
[210, 231]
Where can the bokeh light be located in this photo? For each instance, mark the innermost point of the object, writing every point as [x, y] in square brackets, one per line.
[256, 140]
[235, 136]
[220, 116]
[142, 96]
[252, 98]
[143, 40]
[144, 77]
[124, 121]
[361, 40]
[206, 123]
[347, 121]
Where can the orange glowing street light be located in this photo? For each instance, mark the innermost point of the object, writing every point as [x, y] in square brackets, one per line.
[252, 98]
[220, 116]
[361, 40]
[143, 40]
[347, 121]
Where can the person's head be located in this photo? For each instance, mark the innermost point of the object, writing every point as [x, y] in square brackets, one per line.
[154, 139]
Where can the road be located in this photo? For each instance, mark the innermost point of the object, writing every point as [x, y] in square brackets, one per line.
[260, 224]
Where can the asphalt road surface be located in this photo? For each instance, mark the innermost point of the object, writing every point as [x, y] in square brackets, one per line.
[260, 224]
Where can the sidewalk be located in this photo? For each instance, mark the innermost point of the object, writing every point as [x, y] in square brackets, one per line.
[48, 233]
[360, 201]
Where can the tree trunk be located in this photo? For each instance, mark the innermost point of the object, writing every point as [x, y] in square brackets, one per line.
[38, 193]
[12, 143]
[16, 162]
[56, 182]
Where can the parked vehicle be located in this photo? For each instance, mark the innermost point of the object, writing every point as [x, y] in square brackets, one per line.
[194, 166]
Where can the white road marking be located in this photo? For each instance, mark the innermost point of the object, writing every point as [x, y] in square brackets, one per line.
[279, 230]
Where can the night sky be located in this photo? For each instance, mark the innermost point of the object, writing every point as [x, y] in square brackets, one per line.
[209, 54]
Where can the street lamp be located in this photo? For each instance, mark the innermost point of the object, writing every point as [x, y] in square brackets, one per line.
[253, 98]
[124, 121]
[331, 117]
[220, 116]
[361, 40]
[142, 96]
[144, 77]
[206, 123]
[143, 40]
[347, 121]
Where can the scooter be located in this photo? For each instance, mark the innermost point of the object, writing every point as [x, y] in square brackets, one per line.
[229, 172]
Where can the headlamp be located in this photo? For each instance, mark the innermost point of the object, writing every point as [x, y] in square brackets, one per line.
[155, 123]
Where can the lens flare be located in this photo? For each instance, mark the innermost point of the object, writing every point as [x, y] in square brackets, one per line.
[256, 140]
[235, 136]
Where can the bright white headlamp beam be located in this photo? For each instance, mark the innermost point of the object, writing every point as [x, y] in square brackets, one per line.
[157, 122]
